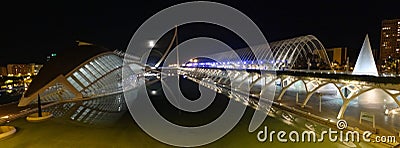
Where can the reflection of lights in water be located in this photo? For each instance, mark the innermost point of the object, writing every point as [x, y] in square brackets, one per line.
[153, 92]
[349, 144]
[287, 120]
[329, 89]
[374, 99]
[272, 110]
[393, 112]
[287, 116]
[309, 126]
[246, 103]
[393, 91]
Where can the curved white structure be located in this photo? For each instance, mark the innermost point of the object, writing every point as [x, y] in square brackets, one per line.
[94, 74]
[294, 53]
[6, 131]
[35, 117]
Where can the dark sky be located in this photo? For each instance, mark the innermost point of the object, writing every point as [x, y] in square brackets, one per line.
[30, 31]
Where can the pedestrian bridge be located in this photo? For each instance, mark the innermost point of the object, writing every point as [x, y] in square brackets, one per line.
[301, 62]
[347, 86]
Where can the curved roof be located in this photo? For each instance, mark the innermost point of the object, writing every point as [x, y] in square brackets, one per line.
[65, 62]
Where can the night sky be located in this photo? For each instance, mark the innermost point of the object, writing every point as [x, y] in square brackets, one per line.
[31, 31]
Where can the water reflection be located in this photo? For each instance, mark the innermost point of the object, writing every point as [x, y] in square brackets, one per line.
[99, 111]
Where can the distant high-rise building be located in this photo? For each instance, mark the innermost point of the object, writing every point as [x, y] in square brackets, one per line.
[37, 68]
[23, 69]
[18, 69]
[390, 39]
[3, 71]
[337, 55]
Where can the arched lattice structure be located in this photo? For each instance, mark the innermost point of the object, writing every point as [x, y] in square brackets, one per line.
[296, 53]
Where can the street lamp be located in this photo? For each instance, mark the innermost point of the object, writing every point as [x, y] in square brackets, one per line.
[397, 66]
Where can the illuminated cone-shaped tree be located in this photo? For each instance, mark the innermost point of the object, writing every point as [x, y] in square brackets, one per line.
[365, 64]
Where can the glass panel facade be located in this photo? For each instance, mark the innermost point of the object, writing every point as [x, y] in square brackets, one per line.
[99, 76]
[93, 70]
[87, 74]
[81, 79]
[102, 65]
[74, 83]
[97, 67]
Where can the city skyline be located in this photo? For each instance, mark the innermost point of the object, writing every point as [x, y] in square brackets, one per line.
[42, 30]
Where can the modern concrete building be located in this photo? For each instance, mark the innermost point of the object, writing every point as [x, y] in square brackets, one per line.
[337, 55]
[3, 71]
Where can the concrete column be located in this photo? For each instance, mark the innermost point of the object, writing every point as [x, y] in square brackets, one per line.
[308, 96]
[282, 93]
[340, 115]
[320, 102]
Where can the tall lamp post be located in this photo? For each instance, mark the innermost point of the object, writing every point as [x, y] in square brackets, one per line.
[39, 107]
[397, 66]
